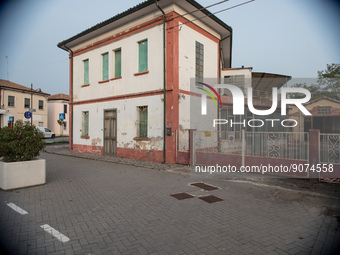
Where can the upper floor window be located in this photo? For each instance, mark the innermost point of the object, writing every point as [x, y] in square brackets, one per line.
[86, 71]
[41, 105]
[199, 62]
[143, 56]
[324, 110]
[65, 108]
[27, 103]
[118, 63]
[11, 101]
[105, 66]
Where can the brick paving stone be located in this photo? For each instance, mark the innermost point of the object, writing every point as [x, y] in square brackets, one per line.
[109, 208]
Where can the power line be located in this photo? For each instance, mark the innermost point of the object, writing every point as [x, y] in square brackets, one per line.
[198, 10]
[190, 21]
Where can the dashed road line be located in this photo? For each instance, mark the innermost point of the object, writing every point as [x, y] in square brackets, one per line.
[62, 238]
[17, 208]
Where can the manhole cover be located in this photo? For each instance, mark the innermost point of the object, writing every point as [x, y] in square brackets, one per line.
[181, 196]
[211, 199]
[204, 186]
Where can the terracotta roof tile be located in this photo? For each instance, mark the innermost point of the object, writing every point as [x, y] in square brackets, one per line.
[15, 86]
[59, 96]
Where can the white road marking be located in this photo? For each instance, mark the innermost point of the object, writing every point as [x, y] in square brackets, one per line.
[17, 208]
[62, 238]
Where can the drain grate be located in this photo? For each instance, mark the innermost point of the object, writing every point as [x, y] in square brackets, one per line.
[181, 196]
[204, 186]
[211, 199]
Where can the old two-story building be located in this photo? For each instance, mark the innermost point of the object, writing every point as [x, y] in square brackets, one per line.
[58, 110]
[130, 77]
[16, 99]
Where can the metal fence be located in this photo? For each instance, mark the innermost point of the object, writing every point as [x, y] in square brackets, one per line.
[283, 145]
[330, 148]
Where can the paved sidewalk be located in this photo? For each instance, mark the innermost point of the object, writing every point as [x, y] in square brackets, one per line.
[62, 149]
[109, 208]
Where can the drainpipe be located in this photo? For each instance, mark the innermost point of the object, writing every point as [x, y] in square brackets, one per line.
[219, 109]
[0, 109]
[71, 115]
[164, 84]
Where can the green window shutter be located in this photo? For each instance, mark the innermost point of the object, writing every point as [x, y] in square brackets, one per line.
[143, 56]
[105, 66]
[118, 63]
[86, 71]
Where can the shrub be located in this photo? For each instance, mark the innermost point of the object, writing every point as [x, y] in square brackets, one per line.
[23, 142]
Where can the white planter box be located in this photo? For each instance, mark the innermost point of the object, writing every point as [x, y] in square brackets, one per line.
[22, 174]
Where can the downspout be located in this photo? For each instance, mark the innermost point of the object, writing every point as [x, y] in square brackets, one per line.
[219, 109]
[164, 84]
[71, 115]
[0, 99]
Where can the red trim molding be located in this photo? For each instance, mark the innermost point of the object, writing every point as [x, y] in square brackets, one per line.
[120, 35]
[147, 155]
[100, 82]
[141, 73]
[118, 78]
[85, 85]
[134, 95]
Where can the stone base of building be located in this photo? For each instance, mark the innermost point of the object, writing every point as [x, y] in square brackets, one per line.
[147, 155]
[96, 150]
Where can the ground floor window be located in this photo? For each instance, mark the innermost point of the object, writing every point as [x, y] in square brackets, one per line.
[85, 123]
[40, 124]
[143, 121]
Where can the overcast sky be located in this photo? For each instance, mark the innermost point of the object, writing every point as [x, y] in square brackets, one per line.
[290, 37]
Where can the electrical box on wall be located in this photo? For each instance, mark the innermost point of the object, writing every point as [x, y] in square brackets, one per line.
[168, 130]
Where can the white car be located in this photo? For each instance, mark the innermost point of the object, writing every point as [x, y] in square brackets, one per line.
[47, 133]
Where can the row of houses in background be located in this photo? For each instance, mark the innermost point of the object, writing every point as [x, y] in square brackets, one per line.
[16, 99]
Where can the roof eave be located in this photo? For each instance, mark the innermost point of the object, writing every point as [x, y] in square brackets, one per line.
[140, 6]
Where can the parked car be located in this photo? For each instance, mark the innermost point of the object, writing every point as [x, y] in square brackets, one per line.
[47, 133]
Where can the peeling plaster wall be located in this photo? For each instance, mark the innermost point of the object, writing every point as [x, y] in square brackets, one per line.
[127, 119]
[187, 72]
